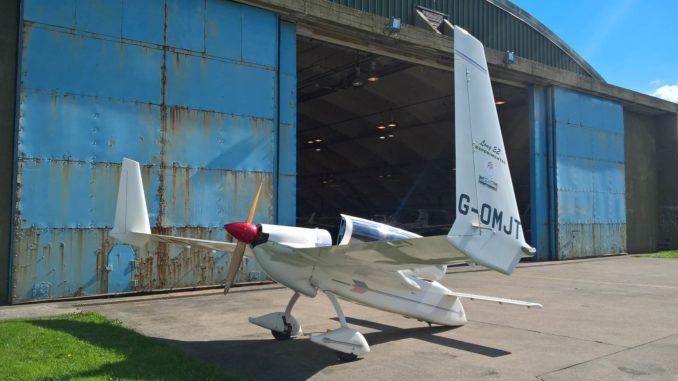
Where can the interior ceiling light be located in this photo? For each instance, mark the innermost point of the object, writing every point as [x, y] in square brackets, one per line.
[382, 137]
[391, 135]
[392, 124]
[318, 140]
[310, 142]
[317, 149]
[498, 98]
[357, 78]
[373, 77]
[381, 126]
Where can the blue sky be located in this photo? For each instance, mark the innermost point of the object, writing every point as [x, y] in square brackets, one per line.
[631, 43]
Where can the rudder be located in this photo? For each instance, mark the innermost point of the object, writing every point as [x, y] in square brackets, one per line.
[487, 228]
[131, 216]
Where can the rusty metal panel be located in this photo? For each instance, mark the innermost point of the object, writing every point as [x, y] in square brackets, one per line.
[209, 198]
[144, 21]
[222, 86]
[259, 36]
[185, 24]
[85, 65]
[164, 82]
[226, 141]
[87, 129]
[224, 32]
[60, 13]
[58, 262]
[590, 178]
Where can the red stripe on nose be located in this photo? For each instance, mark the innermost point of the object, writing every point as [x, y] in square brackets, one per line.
[242, 231]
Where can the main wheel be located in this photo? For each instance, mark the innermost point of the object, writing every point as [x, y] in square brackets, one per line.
[346, 357]
[282, 335]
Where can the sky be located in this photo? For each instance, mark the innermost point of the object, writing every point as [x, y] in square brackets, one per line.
[631, 43]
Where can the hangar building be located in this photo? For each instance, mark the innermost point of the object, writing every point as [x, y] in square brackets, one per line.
[327, 103]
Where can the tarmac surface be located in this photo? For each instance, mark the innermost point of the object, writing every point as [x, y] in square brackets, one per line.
[612, 318]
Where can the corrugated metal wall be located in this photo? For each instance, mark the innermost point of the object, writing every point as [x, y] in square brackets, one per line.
[192, 90]
[588, 143]
[495, 27]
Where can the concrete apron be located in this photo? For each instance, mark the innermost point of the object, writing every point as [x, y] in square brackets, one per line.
[606, 318]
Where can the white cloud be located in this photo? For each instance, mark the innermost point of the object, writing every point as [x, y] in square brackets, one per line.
[656, 82]
[668, 92]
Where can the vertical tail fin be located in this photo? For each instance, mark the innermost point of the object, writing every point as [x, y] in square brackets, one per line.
[131, 216]
[487, 228]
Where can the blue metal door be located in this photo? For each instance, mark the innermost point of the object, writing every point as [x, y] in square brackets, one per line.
[588, 153]
[201, 93]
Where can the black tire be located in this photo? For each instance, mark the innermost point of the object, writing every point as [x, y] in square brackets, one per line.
[281, 335]
[346, 357]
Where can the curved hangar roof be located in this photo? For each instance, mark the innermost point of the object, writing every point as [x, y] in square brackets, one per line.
[499, 24]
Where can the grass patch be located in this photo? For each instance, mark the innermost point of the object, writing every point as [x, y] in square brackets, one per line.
[88, 346]
[662, 254]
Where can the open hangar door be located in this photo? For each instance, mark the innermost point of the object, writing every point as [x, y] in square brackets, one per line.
[375, 139]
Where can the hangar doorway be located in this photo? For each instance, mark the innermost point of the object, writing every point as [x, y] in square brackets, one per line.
[375, 139]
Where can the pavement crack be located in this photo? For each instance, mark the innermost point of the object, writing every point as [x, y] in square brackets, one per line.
[548, 333]
[605, 355]
[571, 280]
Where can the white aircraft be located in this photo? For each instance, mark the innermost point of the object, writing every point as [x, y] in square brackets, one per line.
[372, 263]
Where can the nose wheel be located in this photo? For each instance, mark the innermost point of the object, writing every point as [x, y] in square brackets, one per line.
[346, 357]
[283, 325]
[282, 336]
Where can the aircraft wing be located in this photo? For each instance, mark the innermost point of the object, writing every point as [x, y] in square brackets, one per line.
[386, 263]
[137, 238]
[390, 254]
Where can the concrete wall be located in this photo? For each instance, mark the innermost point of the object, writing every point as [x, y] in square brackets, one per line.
[641, 183]
[9, 14]
[667, 180]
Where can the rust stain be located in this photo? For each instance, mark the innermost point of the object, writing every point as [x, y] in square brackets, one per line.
[28, 28]
[46, 258]
[62, 261]
[187, 192]
[177, 61]
[78, 248]
[159, 223]
[206, 123]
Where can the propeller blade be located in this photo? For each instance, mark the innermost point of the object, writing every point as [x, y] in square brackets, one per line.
[236, 257]
[234, 265]
[254, 204]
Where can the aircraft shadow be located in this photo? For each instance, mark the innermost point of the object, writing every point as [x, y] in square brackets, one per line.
[390, 333]
[266, 359]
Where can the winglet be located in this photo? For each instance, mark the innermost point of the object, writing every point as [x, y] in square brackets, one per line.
[131, 216]
[487, 228]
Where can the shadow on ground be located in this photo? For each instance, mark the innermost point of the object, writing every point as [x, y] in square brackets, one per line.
[256, 359]
[299, 359]
[143, 357]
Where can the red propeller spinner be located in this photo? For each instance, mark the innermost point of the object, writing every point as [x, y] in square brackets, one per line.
[242, 231]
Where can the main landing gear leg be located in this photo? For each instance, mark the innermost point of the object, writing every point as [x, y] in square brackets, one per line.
[282, 324]
[347, 342]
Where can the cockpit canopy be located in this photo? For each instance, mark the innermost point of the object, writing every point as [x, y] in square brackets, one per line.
[355, 230]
